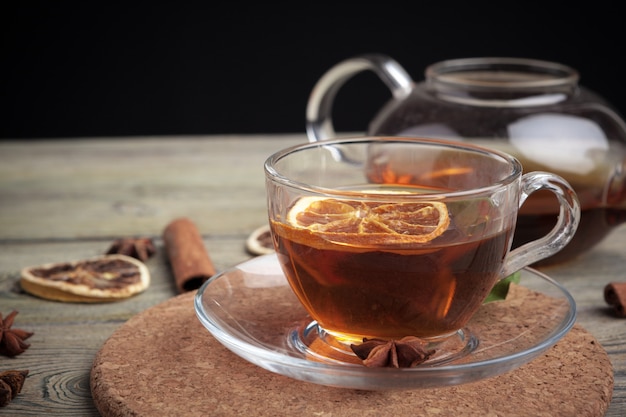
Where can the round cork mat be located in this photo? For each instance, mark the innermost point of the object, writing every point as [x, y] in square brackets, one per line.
[163, 362]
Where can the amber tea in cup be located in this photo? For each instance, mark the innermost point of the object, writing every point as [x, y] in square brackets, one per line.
[393, 237]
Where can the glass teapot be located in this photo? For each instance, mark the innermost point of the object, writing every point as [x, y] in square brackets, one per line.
[534, 110]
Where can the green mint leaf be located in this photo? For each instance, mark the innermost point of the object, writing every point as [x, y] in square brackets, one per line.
[500, 290]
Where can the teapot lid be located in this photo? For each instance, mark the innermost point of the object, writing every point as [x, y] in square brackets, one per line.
[513, 77]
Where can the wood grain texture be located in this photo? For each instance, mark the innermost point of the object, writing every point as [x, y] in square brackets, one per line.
[66, 200]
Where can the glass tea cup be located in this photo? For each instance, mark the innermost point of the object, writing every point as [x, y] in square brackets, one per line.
[388, 237]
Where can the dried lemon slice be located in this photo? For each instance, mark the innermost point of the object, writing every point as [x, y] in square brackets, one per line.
[364, 223]
[99, 279]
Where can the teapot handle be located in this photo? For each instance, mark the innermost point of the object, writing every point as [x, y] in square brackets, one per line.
[319, 124]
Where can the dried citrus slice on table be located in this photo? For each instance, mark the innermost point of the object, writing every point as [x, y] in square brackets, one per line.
[366, 223]
[100, 279]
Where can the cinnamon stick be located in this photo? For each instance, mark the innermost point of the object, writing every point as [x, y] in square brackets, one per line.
[615, 296]
[188, 257]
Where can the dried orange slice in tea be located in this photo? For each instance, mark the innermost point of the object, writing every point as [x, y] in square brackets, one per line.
[366, 223]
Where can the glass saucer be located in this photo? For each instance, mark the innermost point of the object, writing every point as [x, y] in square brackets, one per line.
[252, 311]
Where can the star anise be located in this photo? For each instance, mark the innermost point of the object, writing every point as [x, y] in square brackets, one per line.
[12, 340]
[139, 248]
[11, 383]
[407, 352]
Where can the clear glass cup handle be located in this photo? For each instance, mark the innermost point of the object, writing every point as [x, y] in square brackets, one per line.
[561, 233]
[319, 124]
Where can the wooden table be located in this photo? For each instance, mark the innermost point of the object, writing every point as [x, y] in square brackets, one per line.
[63, 200]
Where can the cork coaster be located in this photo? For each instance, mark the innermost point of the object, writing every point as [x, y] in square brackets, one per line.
[163, 362]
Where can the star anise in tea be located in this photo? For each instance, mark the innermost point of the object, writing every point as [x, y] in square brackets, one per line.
[12, 340]
[138, 248]
[407, 352]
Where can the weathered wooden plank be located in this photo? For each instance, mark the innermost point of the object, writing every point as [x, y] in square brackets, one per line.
[106, 188]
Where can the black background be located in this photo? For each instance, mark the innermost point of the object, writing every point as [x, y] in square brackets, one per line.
[73, 69]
